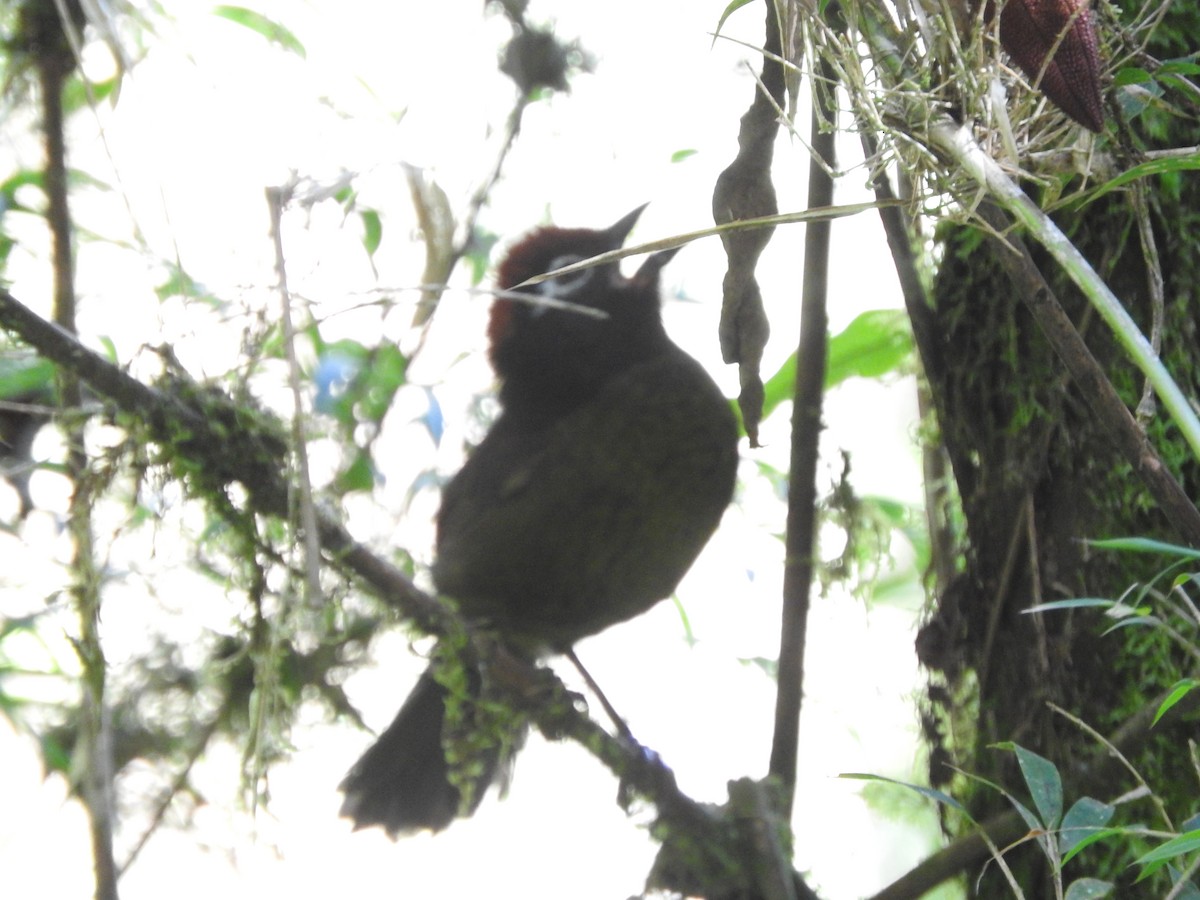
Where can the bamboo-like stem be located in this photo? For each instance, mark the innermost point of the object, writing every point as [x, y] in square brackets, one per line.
[956, 142]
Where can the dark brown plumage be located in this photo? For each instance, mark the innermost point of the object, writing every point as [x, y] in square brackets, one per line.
[585, 504]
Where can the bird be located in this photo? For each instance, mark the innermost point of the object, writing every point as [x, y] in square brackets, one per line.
[607, 470]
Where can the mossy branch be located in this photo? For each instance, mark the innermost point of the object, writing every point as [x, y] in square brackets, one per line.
[222, 443]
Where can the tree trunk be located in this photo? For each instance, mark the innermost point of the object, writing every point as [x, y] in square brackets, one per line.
[1037, 476]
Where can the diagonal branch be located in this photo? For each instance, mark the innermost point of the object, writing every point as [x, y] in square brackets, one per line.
[226, 448]
[210, 430]
[1094, 387]
[956, 143]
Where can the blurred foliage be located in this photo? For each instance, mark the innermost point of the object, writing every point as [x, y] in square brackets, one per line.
[876, 344]
[355, 386]
[27, 394]
[264, 26]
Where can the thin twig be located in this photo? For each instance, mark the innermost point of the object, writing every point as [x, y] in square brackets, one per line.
[806, 216]
[998, 603]
[277, 198]
[960, 856]
[1114, 753]
[199, 746]
[1155, 289]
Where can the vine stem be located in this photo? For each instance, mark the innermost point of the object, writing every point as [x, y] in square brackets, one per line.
[956, 142]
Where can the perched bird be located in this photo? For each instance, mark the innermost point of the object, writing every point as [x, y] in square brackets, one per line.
[595, 489]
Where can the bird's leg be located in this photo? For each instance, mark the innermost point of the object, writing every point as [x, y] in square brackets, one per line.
[626, 791]
[618, 723]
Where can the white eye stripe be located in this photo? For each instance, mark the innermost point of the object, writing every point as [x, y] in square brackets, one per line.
[564, 286]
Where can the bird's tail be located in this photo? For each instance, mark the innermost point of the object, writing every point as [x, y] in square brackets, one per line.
[402, 783]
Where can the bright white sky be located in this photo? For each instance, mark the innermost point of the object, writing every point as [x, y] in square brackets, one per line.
[212, 115]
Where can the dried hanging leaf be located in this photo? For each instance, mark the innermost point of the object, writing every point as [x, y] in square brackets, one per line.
[436, 221]
[744, 191]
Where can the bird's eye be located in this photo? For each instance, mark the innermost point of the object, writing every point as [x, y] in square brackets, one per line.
[563, 286]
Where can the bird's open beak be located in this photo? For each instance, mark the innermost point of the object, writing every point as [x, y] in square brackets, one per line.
[620, 229]
[655, 262]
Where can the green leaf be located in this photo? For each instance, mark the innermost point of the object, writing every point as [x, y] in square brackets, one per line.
[10, 186]
[358, 476]
[681, 155]
[347, 347]
[1179, 67]
[1177, 846]
[780, 387]
[876, 342]
[384, 374]
[260, 24]
[1074, 603]
[178, 283]
[55, 757]
[1030, 819]
[1088, 889]
[1093, 837]
[1134, 101]
[1180, 690]
[110, 349]
[26, 376]
[1122, 610]
[1146, 545]
[733, 7]
[1132, 621]
[77, 94]
[931, 793]
[1042, 779]
[479, 252]
[1131, 75]
[1085, 818]
[1162, 166]
[372, 230]
[769, 666]
[689, 636]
